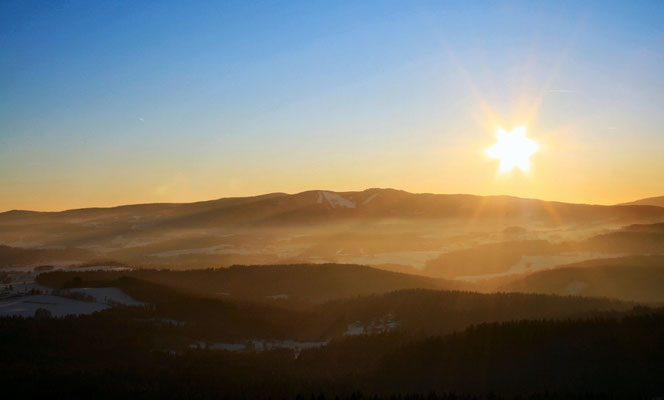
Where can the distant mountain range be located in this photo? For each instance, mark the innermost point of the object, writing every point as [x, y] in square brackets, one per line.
[374, 227]
[318, 206]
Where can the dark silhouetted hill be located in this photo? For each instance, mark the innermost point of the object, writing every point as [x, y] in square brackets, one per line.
[294, 285]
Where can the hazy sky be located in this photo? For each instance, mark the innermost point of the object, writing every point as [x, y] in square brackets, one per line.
[105, 103]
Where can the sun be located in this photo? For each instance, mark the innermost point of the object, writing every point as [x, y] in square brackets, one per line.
[513, 149]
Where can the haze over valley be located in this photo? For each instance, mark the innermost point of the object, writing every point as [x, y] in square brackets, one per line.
[475, 241]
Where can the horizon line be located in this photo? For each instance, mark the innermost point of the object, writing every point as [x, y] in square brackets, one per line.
[313, 190]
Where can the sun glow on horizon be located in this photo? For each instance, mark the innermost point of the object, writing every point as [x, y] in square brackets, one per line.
[513, 149]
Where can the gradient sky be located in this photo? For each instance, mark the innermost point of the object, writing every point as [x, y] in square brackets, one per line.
[116, 102]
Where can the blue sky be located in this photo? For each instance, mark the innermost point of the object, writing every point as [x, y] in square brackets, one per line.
[116, 102]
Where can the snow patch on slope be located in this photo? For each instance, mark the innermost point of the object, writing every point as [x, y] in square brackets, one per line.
[336, 200]
[368, 199]
[25, 306]
[575, 287]
[109, 295]
[257, 345]
[383, 324]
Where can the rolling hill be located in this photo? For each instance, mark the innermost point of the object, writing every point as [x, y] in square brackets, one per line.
[325, 206]
[286, 285]
[632, 278]
[374, 226]
[346, 309]
[650, 201]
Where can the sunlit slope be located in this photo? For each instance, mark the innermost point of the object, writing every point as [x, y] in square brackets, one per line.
[634, 278]
[487, 259]
[524, 256]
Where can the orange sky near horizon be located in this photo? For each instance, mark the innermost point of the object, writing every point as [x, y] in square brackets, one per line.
[562, 170]
[570, 166]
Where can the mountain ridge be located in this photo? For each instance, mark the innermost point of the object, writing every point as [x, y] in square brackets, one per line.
[374, 226]
[322, 197]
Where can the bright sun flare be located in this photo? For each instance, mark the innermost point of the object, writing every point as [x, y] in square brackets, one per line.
[513, 149]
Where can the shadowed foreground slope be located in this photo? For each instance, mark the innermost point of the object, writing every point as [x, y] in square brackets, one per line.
[108, 356]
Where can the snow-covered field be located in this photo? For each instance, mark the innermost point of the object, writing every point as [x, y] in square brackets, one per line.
[378, 325]
[258, 345]
[282, 296]
[25, 306]
[100, 268]
[109, 295]
[26, 296]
